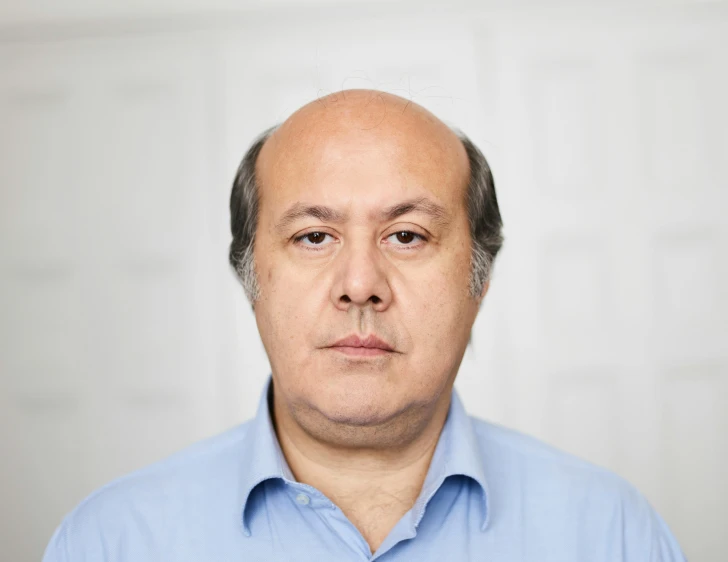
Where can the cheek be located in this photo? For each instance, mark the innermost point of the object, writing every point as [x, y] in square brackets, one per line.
[439, 312]
[439, 320]
[286, 314]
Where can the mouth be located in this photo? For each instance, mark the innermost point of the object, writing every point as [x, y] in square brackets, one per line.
[360, 351]
[358, 346]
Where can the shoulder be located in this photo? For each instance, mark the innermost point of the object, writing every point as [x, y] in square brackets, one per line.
[182, 474]
[574, 497]
[150, 498]
[507, 452]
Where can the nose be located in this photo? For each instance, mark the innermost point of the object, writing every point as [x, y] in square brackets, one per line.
[361, 279]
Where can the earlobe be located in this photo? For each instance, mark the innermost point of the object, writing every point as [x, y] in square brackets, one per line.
[486, 285]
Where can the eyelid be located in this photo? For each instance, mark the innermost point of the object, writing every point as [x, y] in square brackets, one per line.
[409, 227]
[405, 226]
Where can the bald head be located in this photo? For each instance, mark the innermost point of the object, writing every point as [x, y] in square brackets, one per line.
[367, 113]
[348, 125]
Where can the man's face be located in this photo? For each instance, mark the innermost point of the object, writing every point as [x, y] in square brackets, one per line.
[363, 231]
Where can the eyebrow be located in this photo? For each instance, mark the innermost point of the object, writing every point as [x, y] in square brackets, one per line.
[435, 211]
[301, 210]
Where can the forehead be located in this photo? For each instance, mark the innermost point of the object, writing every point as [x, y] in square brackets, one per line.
[361, 157]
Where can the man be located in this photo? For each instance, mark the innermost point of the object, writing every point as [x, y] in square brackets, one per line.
[364, 231]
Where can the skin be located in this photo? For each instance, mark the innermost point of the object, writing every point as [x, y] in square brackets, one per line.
[362, 429]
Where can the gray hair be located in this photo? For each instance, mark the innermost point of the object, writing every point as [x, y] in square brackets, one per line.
[482, 206]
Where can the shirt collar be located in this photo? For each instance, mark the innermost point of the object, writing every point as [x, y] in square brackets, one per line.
[263, 452]
[457, 454]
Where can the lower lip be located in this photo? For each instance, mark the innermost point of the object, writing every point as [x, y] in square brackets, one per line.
[361, 351]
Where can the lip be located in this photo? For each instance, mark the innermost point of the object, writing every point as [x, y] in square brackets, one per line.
[368, 346]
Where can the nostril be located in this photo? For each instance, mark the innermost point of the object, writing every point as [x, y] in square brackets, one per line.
[376, 299]
[346, 299]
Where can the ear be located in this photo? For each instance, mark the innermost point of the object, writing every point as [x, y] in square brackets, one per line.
[486, 286]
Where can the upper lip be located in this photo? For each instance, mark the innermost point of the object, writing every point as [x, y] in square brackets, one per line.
[371, 341]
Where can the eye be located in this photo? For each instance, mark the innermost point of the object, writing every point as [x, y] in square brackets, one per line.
[311, 238]
[406, 237]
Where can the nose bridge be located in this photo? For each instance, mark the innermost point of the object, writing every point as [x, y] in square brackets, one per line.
[362, 272]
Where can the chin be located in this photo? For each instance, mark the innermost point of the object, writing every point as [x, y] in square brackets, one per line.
[357, 401]
[363, 416]
[364, 425]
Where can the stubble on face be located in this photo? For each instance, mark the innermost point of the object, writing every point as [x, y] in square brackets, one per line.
[356, 152]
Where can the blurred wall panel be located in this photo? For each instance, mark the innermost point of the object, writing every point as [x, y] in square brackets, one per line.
[614, 134]
[107, 352]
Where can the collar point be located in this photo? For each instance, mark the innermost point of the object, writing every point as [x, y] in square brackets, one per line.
[244, 524]
[486, 521]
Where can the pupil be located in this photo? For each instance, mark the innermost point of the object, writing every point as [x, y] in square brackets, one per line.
[315, 237]
[404, 237]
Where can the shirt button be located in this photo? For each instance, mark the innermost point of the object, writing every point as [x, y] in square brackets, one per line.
[303, 499]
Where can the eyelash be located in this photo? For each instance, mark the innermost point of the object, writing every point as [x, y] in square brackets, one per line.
[312, 247]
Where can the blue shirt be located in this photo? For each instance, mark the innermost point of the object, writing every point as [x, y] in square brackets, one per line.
[490, 494]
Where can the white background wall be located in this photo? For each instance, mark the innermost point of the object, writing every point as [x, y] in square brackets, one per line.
[124, 336]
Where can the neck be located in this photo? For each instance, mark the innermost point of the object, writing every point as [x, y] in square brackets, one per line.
[373, 487]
